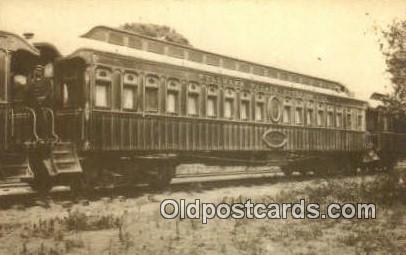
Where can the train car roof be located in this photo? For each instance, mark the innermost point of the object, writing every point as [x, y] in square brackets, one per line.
[106, 28]
[72, 47]
[95, 34]
[13, 42]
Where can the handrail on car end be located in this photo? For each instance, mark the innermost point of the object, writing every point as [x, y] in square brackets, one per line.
[34, 124]
[53, 133]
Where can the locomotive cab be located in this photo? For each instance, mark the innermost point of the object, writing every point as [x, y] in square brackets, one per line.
[17, 125]
[29, 145]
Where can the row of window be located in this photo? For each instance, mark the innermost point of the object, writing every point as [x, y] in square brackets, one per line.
[331, 118]
[234, 105]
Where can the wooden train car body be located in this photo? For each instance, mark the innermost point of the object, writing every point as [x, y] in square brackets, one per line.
[155, 97]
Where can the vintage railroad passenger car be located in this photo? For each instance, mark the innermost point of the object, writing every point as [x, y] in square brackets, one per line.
[133, 107]
[125, 94]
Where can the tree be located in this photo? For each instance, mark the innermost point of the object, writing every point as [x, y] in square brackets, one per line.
[393, 47]
[160, 32]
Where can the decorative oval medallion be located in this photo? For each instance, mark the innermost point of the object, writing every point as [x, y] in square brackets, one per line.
[274, 109]
[274, 139]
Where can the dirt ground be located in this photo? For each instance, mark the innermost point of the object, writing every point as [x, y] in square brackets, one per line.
[132, 224]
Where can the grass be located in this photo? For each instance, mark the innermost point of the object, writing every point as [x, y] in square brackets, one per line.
[141, 230]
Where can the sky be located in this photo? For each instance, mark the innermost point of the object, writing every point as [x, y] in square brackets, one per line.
[330, 39]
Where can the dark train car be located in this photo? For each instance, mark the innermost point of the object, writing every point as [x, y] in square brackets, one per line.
[123, 95]
[386, 134]
[27, 138]
[17, 59]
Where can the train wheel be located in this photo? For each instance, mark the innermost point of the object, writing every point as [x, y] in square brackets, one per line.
[303, 172]
[79, 187]
[162, 177]
[42, 185]
[287, 171]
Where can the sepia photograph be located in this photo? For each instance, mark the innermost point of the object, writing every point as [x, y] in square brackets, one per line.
[202, 127]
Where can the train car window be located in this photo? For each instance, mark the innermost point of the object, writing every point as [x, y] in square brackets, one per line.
[310, 113]
[299, 112]
[134, 42]
[272, 73]
[245, 105]
[385, 123]
[172, 97]
[244, 67]
[229, 64]
[102, 95]
[299, 115]
[130, 86]
[330, 116]
[151, 93]
[339, 119]
[103, 88]
[320, 115]
[330, 119]
[129, 95]
[287, 113]
[390, 123]
[116, 38]
[193, 99]
[349, 120]
[229, 104]
[212, 60]
[360, 121]
[260, 107]
[172, 101]
[212, 102]
[274, 109]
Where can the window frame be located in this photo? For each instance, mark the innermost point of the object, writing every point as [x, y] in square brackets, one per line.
[107, 81]
[299, 106]
[134, 85]
[212, 92]
[360, 124]
[339, 123]
[230, 94]
[287, 106]
[348, 120]
[310, 109]
[152, 87]
[330, 112]
[245, 97]
[321, 109]
[260, 100]
[173, 86]
[193, 88]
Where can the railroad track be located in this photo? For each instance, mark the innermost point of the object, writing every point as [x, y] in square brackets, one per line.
[21, 193]
[15, 188]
